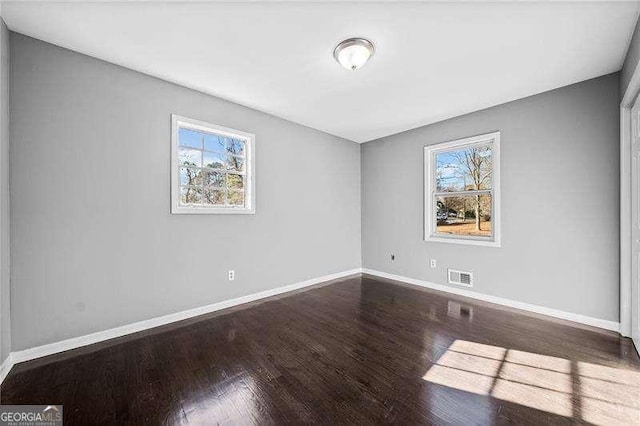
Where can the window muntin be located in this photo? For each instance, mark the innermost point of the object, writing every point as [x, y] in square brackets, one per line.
[212, 168]
[462, 191]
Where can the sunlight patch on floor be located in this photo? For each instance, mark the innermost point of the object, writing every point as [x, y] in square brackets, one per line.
[590, 392]
[534, 397]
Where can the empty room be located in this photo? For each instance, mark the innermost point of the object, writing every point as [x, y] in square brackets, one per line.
[363, 212]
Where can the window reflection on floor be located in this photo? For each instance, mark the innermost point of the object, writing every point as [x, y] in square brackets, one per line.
[232, 401]
[593, 393]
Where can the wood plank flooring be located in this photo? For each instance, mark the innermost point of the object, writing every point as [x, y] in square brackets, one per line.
[360, 351]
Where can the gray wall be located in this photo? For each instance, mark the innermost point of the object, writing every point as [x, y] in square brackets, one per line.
[5, 316]
[93, 243]
[631, 61]
[560, 201]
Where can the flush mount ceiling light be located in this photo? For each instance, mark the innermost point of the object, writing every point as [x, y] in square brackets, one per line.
[353, 53]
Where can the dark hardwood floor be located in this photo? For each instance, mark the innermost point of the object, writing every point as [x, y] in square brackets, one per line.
[361, 350]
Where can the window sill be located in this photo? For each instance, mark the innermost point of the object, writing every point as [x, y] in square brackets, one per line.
[467, 241]
[192, 210]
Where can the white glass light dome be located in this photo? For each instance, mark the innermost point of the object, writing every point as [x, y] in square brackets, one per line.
[353, 53]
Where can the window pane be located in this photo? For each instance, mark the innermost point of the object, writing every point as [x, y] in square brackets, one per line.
[465, 215]
[190, 138]
[213, 178]
[190, 157]
[213, 196]
[235, 146]
[236, 198]
[190, 176]
[214, 160]
[235, 163]
[190, 195]
[235, 181]
[214, 142]
[464, 169]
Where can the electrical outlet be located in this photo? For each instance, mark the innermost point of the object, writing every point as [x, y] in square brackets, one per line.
[232, 275]
[432, 263]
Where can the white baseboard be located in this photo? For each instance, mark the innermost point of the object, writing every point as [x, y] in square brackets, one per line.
[76, 342]
[100, 336]
[583, 319]
[5, 367]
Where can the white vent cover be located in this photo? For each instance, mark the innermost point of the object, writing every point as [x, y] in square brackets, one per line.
[460, 277]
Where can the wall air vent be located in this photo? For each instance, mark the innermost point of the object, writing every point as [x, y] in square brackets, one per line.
[460, 277]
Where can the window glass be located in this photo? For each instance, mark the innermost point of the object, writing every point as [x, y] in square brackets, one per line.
[461, 190]
[212, 169]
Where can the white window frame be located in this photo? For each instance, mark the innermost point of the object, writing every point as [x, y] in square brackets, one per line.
[177, 122]
[430, 192]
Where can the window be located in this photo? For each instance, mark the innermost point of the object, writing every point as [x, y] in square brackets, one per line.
[462, 191]
[212, 168]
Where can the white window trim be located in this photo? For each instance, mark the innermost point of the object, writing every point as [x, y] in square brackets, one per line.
[178, 121]
[430, 187]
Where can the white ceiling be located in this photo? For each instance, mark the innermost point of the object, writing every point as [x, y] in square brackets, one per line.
[433, 60]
